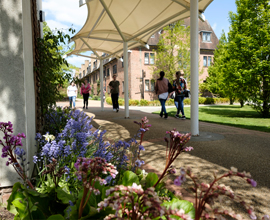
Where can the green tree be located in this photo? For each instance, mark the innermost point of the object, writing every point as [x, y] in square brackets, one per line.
[53, 70]
[173, 51]
[249, 49]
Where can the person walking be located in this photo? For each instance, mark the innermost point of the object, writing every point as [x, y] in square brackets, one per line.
[85, 89]
[72, 94]
[179, 86]
[161, 88]
[114, 86]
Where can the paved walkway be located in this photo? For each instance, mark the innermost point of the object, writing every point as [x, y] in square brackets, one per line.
[218, 147]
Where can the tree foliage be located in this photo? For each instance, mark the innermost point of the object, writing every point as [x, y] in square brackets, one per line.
[242, 64]
[54, 71]
[173, 52]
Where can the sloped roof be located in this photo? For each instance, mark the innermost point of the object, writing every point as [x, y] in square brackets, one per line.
[205, 26]
[112, 22]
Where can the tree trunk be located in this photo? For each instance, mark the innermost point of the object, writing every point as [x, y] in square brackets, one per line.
[266, 99]
[242, 103]
[231, 101]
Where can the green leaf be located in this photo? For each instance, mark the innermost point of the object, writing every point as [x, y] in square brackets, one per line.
[181, 204]
[56, 217]
[129, 178]
[151, 179]
[63, 196]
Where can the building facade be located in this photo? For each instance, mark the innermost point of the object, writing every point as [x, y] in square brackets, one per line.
[140, 64]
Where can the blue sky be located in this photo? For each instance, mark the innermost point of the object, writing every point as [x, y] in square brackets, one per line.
[63, 14]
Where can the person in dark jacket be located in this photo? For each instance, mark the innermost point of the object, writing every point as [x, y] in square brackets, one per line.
[179, 86]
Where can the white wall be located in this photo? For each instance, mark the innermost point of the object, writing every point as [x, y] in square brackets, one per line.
[17, 97]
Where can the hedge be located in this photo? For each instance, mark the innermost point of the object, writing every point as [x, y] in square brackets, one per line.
[170, 102]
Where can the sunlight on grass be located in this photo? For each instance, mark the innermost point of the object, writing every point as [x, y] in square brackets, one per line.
[245, 117]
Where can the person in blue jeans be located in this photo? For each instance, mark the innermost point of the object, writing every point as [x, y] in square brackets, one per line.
[161, 88]
[179, 86]
[72, 94]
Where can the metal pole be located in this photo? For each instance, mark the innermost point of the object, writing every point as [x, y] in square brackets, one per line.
[194, 67]
[101, 83]
[125, 55]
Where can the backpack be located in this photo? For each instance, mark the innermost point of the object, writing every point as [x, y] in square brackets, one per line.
[170, 88]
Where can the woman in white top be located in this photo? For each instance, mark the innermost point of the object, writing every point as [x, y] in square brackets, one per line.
[72, 94]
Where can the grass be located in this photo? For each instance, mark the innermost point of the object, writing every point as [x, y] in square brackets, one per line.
[236, 116]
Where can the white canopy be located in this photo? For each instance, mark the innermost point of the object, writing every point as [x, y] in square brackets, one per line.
[114, 26]
[112, 22]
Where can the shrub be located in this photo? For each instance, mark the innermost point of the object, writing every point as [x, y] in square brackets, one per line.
[95, 97]
[209, 101]
[133, 102]
[201, 100]
[109, 100]
[187, 101]
[144, 102]
[121, 102]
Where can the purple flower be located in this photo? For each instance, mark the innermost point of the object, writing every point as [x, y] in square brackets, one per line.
[252, 182]
[141, 148]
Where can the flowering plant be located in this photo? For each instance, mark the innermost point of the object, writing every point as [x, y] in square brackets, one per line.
[175, 146]
[14, 153]
[209, 193]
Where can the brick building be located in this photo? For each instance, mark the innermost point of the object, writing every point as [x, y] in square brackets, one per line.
[140, 60]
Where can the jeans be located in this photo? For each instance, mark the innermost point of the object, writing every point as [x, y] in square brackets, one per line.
[85, 99]
[163, 108]
[72, 99]
[180, 104]
[176, 103]
[115, 100]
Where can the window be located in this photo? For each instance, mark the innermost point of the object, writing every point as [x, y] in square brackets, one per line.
[114, 69]
[123, 86]
[152, 58]
[152, 85]
[80, 76]
[146, 58]
[146, 85]
[149, 59]
[95, 65]
[108, 72]
[104, 73]
[209, 61]
[204, 60]
[83, 73]
[206, 36]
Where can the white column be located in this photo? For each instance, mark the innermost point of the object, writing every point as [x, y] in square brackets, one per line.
[126, 80]
[101, 83]
[194, 67]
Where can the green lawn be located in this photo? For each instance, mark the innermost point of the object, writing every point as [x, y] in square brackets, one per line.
[245, 117]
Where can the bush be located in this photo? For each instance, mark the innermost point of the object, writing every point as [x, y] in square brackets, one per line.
[121, 102]
[187, 101]
[144, 102]
[133, 102]
[95, 97]
[109, 100]
[209, 101]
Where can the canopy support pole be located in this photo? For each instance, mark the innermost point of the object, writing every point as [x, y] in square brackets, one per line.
[125, 56]
[101, 83]
[194, 68]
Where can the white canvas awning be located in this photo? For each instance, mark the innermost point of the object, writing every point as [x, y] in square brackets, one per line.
[112, 22]
[114, 26]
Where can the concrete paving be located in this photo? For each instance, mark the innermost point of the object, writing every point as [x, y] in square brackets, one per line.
[218, 147]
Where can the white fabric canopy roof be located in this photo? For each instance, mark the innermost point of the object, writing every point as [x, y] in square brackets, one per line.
[112, 22]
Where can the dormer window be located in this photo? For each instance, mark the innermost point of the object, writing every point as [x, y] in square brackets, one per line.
[206, 36]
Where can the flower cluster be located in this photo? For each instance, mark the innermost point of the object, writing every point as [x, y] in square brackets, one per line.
[132, 202]
[209, 193]
[175, 146]
[12, 151]
[89, 171]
